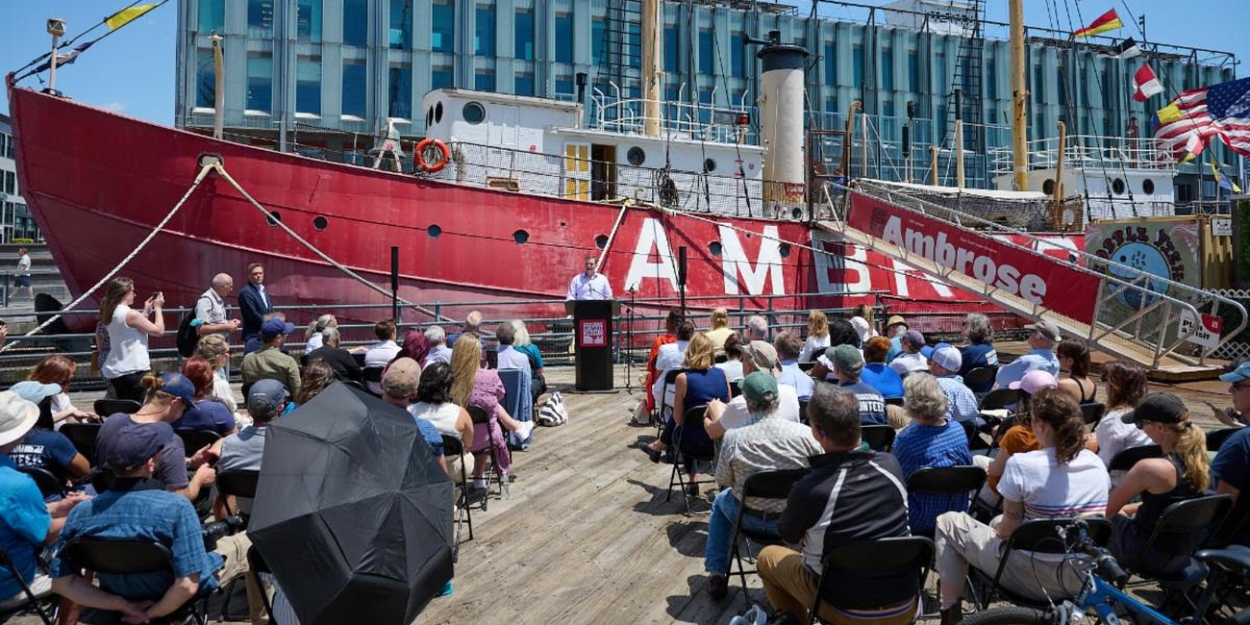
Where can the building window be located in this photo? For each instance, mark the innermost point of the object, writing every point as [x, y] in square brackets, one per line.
[706, 53]
[831, 64]
[671, 50]
[565, 88]
[399, 92]
[991, 79]
[737, 58]
[442, 77]
[401, 25]
[308, 20]
[443, 30]
[260, 18]
[484, 32]
[564, 38]
[354, 87]
[940, 76]
[212, 16]
[913, 71]
[524, 39]
[484, 80]
[598, 33]
[524, 84]
[887, 69]
[857, 65]
[260, 83]
[205, 79]
[308, 85]
[10, 183]
[356, 22]
[633, 48]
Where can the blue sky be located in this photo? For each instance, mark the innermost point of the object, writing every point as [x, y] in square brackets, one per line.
[133, 71]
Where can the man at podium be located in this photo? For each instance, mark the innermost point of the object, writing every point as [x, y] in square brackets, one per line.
[589, 284]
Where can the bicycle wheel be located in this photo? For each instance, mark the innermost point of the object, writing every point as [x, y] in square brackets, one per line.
[1012, 615]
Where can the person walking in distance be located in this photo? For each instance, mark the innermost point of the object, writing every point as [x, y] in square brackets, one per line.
[23, 274]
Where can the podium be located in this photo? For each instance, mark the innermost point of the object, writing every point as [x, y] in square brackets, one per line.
[593, 335]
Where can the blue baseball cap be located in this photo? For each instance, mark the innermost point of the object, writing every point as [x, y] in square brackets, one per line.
[275, 327]
[179, 386]
[35, 392]
[265, 398]
[927, 351]
[134, 445]
[1232, 377]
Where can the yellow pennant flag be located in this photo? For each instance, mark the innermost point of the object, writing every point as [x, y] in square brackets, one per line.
[1169, 114]
[126, 16]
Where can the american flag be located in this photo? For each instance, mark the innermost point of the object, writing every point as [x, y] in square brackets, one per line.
[1184, 127]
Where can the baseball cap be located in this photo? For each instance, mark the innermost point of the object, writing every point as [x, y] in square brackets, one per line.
[915, 338]
[134, 445]
[179, 386]
[1158, 407]
[265, 398]
[894, 320]
[17, 416]
[1034, 381]
[401, 378]
[1047, 328]
[947, 357]
[274, 327]
[759, 387]
[1232, 377]
[846, 359]
[761, 353]
[33, 391]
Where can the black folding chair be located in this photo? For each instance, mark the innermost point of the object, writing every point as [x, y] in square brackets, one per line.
[255, 566]
[1125, 460]
[894, 401]
[237, 483]
[670, 379]
[82, 436]
[48, 484]
[998, 399]
[962, 480]
[1185, 527]
[1040, 536]
[1092, 413]
[689, 455]
[130, 557]
[372, 375]
[735, 389]
[803, 412]
[897, 566]
[195, 440]
[878, 436]
[981, 377]
[478, 415]
[1216, 438]
[975, 440]
[32, 601]
[763, 485]
[453, 447]
[106, 407]
[721, 358]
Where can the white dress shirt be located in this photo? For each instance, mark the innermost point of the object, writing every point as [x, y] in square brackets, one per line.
[595, 287]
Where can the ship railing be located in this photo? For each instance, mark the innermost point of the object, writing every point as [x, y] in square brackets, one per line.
[1088, 152]
[1131, 304]
[678, 119]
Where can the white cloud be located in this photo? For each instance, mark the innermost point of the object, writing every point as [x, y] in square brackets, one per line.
[116, 107]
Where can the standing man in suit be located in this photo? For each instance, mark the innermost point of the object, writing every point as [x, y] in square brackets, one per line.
[254, 304]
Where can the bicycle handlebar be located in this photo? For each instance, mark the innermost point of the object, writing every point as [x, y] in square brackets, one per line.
[1104, 563]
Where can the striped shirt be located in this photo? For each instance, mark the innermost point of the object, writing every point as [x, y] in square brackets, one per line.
[960, 399]
[919, 446]
[1050, 490]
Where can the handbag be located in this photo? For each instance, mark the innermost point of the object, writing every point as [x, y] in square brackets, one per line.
[553, 412]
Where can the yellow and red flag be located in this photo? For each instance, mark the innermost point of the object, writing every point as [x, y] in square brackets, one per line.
[1106, 22]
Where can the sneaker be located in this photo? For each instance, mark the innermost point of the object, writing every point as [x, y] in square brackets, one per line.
[717, 586]
[524, 431]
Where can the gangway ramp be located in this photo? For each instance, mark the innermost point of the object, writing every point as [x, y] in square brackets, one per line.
[1117, 308]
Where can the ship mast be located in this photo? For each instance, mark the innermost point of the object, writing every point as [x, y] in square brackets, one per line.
[1019, 98]
[651, 67]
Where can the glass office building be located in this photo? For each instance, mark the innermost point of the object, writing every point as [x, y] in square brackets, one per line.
[15, 219]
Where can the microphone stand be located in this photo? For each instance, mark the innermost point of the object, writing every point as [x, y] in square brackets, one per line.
[629, 346]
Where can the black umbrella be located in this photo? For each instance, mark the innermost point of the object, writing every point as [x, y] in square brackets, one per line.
[353, 514]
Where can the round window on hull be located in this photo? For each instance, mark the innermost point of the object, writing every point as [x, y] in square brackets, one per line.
[474, 113]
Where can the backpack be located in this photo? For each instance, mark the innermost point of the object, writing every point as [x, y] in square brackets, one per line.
[553, 412]
[188, 334]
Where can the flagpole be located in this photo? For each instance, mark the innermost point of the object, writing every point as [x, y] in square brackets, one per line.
[1019, 99]
[56, 28]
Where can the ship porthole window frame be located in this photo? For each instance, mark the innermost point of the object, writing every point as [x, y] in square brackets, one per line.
[520, 237]
[601, 241]
[1118, 187]
[1048, 186]
[636, 156]
[473, 112]
[434, 231]
[320, 222]
[273, 218]
[716, 248]
[784, 250]
[1148, 186]
[438, 112]
[709, 165]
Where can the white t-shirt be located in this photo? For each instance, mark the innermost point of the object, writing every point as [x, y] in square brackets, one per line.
[1114, 436]
[906, 363]
[670, 357]
[443, 416]
[129, 347]
[813, 347]
[380, 354]
[1052, 490]
[732, 369]
[222, 391]
[314, 342]
[736, 414]
[23, 264]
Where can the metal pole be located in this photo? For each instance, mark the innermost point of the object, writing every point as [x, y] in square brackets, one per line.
[959, 140]
[395, 283]
[629, 334]
[681, 277]
[219, 88]
[651, 67]
[1019, 98]
[52, 63]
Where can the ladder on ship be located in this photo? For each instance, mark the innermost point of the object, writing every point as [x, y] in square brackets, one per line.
[1129, 313]
[620, 53]
[965, 100]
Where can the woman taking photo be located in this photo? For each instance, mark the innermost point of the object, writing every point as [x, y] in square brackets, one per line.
[1182, 473]
[128, 331]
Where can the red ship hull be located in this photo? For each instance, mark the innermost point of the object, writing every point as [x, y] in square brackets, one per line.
[98, 183]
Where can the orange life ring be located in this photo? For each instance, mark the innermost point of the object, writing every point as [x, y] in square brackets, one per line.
[432, 167]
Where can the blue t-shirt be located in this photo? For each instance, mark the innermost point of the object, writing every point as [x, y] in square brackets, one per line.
[171, 464]
[881, 377]
[46, 450]
[978, 355]
[919, 446]
[1232, 466]
[871, 403]
[155, 515]
[431, 435]
[24, 523]
[208, 415]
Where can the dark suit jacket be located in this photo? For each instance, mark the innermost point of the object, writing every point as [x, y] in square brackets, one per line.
[341, 360]
[253, 307]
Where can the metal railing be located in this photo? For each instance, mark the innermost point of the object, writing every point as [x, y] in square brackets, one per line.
[1088, 152]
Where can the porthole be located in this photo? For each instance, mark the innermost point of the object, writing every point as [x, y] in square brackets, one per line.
[474, 113]
[429, 117]
[320, 222]
[715, 248]
[601, 241]
[784, 250]
[273, 218]
[1148, 186]
[438, 113]
[636, 156]
[709, 165]
[1117, 186]
[520, 236]
[1048, 186]
[434, 231]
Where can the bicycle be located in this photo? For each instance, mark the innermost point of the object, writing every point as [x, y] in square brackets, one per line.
[1111, 604]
